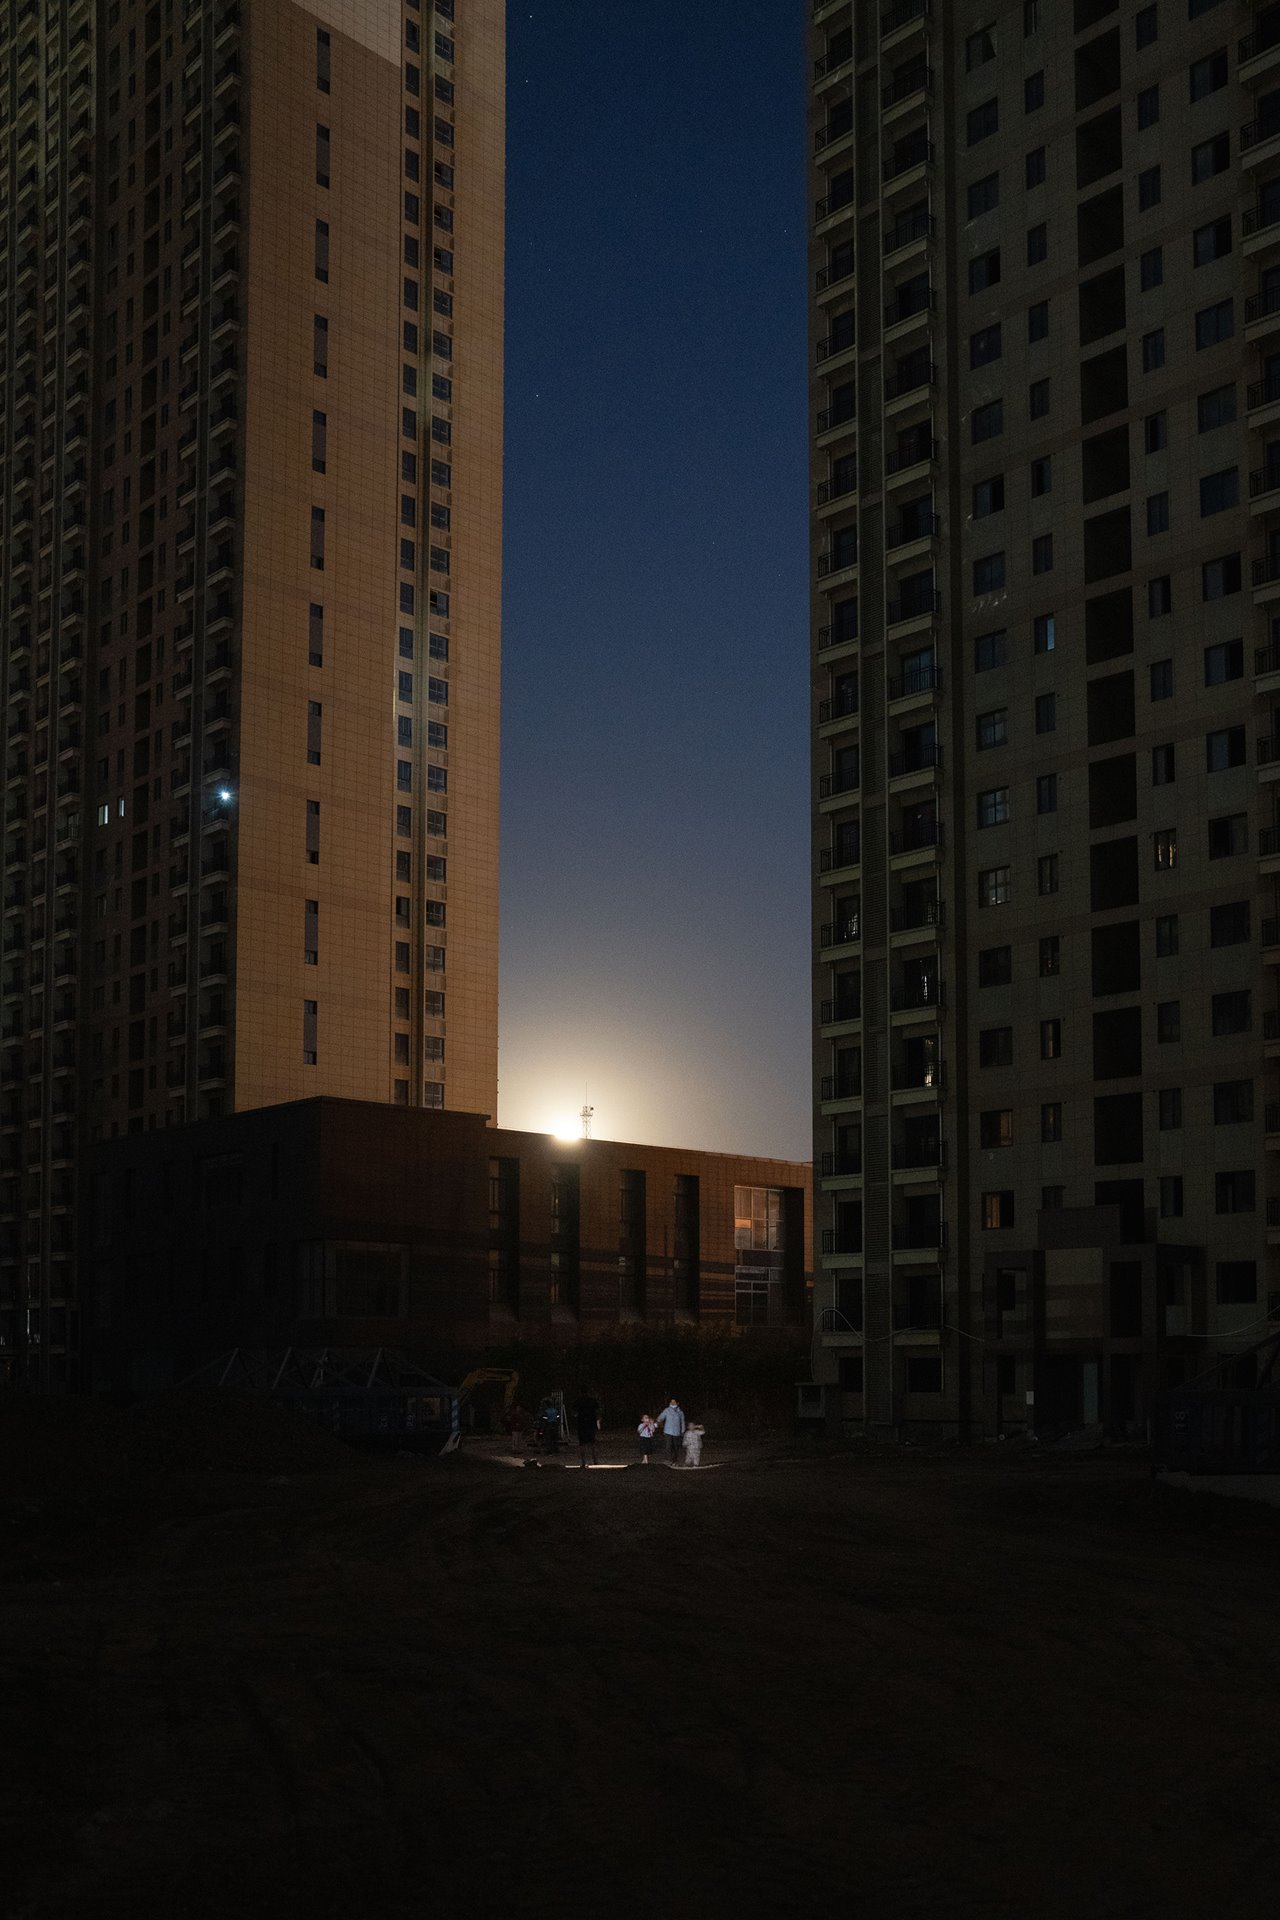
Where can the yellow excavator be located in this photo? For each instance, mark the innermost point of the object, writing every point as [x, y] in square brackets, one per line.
[489, 1376]
[506, 1377]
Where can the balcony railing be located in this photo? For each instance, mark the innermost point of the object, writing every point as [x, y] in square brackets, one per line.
[1270, 932]
[834, 1241]
[836, 859]
[829, 1011]
[828, 62]
[830, 417]
[834, 1087]
[843, 707]
[902, 15]
[826, 347]
[918, 607]
[929, 992]
[918, 78]
[1271, 1116]
[907, 306]
[835, 562]
[1265, 480]
[931, 1153]
[1268, 749]
[833, 1164]
[917, 153]
[1261, 393]
[920, 759]
[831, 785]
[1260, 306]
[1265, 127]
[1259, 219]
[917, 839]
[916, 226]
[919, 1237]
[834, 490]
[917, 1079]
[908, 919]
[926, 526]
[831, 203]
[925, 447]
[917, 680]
[840, 933]
[1259, 42]
[1264, 573]
[910, 379]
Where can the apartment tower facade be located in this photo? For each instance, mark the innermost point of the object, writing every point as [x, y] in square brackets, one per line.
[251, 367]
[1045, 307]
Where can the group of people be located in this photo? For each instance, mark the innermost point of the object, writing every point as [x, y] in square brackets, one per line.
[680, 1434]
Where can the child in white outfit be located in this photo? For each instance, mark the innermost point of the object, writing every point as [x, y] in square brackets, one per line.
[693, 1444]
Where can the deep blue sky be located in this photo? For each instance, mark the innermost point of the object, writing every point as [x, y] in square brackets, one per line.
[655, 839]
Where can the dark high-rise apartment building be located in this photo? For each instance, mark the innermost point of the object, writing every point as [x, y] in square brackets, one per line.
[250, 494]
[1045, 302]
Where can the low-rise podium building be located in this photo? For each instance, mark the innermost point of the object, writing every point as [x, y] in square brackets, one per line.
[352, 1223]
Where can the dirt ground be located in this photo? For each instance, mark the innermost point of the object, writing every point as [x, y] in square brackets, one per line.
[864, 1683]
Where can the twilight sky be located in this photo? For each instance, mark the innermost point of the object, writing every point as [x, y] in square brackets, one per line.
[655, 827]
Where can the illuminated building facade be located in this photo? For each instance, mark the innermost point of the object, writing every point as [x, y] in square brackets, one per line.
[1045, 313]
[251, 301]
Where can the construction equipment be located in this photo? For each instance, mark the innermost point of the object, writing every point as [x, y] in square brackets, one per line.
[490, 1376]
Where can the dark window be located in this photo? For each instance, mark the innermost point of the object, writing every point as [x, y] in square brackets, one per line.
[995, 966]
[1231, 1012]
[1237, 1283]
[1209, 74]
[1219, 491]
[987, 422]
[995, 1047]
[1210, 157]
[1211, 242]
[1223, 662]
[1229, 924]
[985, 346]
[1219, 579]
[1215, 324]
[1228, 835]
[988, 573]
[1217, 408]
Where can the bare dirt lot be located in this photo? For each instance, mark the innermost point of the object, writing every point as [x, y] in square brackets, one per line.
[244, 1672]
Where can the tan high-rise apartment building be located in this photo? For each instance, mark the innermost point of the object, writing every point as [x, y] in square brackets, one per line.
[1045, 304]
[251, 366]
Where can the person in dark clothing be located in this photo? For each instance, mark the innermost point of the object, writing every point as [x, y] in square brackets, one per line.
[586, 1412]
[549, 1426]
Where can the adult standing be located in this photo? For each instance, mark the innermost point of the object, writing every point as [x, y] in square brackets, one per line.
[586, 1412]
[671, 1421]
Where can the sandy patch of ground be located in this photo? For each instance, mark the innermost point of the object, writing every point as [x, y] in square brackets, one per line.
[868, 1683]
